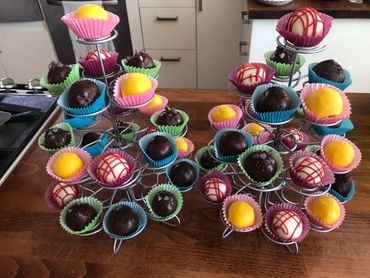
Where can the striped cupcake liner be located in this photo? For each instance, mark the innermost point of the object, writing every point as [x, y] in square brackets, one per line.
[152, 72]
[345, 126]
[281, 68]
[220, 166]
[130, 136]
[52, 203]
[96, 148]
[174, 130]
[340, 197]
[196, 178]
[231, 123]
[64, 126]
[148, 112]
[314, 78]
[218, 175]
[263, 136]
[79, 122]
[189, 151]
[93, 68]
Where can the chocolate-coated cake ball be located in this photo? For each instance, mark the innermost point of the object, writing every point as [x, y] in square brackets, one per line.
[260, 166]
[273, 99]
[124, 127]
[90, 137]
[207, 161]
[280, 55]
[123, 221]
[182, 174]
[158, 148]
[57, 72]
[56, 138]
[170, 116]
[79, 216]
[330, 70]
[82, 93]
[140, 60]
[232, 143]
[164, 203]
[343, 184]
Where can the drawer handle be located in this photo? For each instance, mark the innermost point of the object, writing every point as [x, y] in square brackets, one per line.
[245, 19]
[241, 52]
[163, 59]
[175, 18]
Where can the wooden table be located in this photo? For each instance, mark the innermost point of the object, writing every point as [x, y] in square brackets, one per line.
[32, 244]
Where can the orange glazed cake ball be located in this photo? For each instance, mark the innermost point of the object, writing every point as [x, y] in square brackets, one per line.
[135, 84]
[182, 145]
[241, 214]
[254, 129]
[340, 154]
[326, 209]
[223, 112]
[156, 101]
[66, 165]
[325, 102]
[91, 11]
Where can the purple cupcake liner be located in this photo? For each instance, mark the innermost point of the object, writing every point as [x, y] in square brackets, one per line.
[92, 67]
[231, 123]
[49, 196]
[290, 142]
[214, 174]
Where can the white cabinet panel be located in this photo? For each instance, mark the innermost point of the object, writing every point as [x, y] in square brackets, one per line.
[167, 3]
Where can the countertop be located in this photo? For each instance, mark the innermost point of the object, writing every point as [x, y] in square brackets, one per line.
[32, 243]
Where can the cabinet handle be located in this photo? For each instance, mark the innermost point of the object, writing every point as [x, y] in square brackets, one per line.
[245, 19]
[175, 18]
[200, 5]
[163, 59]
[241, 52]
[104, 2]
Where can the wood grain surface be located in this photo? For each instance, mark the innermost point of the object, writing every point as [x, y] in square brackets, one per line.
[32, 243]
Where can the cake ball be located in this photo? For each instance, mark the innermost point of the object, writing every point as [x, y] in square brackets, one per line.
[91, 12]
[89, 137]
[140, 60]
[182, 174]
[170, 116]
[123, 221]
[83, 93]
[63, 193]
[94, 55]
[112, 168]
[326, 208]
[78, 216]
[207, 161]
[274, 99]
[158, 148]
[310, 170]
[281, 55]
[182, 145]
[222, 113]
[135, 84]
[164, 203]
[58, 72]
[305, 21]
[215, 189]
[325, 102]
[330, 70]
[287, 225]
[56, 138]
[232, 143]
[124, 127]
[251, 74]
[156, 101]
[67, 164]
[254, 129]
[339, 153]
[240, 214]
[343, 184]
[261, 166]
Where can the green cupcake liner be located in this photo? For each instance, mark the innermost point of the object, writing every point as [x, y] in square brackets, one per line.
[66, 127]
[95, 203]
[312, 148]
[281, 68]
[299, 113]
[163, 187]
[130, 136]
[57, 89]
[153, 72]
[172, 130]
[199, 153]
[275, 154]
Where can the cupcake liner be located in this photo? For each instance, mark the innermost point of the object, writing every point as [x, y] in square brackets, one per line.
[84, 156]
[130, 136]
[312, 148]
[248, 90]
[290, 141]
[119, 182]
[339, 196]
[95, 203]
[250, 201]
[281, 68]
[92, 67]
[309, 88]
[88, 28]
[303, 41]
[198, 155]
[66, 127]
[232, 123]
[189, 151]
[49, 196]
[316, 221]
[345, 126]
[230, 158]
[272, 151]
[299, 113]
[79, 122]
[336, 138]
[96, 148]
[218, 175]
[57, 89]
[262, 137]
[314, 78]
[174, 130]
[143, 142]
[138, 210]
[97, 105]
[148, 112]
[197, 174]
[163, 187]
[328, 174]
[118, 110]
[272, 211]
[136, 100]
[153, 72]
[276, 116]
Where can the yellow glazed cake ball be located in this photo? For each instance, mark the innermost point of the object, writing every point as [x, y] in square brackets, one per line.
[67, 164]
[325, 102]
[255, 129]
[222, 113]
[326, 209]
[91, 11]
[156, 101]
[341, 154]
[182, 145]
[240, 214]
[135, 84]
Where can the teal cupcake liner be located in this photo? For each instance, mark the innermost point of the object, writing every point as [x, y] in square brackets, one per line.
[276, 116]
[148, 199]
[66, 127]
[57, 89]
[173, 130]
[230, 158]
[130, 136]
[138, 210]
[197, 174]
[345, 126]
[198, 155]
[281, 68]
[314, 78]
[79, 122]
[153, 72]
[340, 197]
[96, 148]
[95, 203]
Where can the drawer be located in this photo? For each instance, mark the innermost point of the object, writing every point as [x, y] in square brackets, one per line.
[167, 3]
[168, 28]
[178, 68]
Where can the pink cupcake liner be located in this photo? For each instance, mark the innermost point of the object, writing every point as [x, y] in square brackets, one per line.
[263, 136]
[87, 28]
[136, 100]
[316, 221]
[85, 157]
[290, 142]
[328, 174]
[248, 90]
[336, 138]
[303, 41]
[92, 67]
[245, 198]
[218, 175]
[94, 163]
[148, 112]
[189, 151]
[49, 196]
[309, 88]
[232, 123]
[272, 211]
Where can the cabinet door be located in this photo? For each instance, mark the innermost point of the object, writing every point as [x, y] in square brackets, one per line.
[219, 32]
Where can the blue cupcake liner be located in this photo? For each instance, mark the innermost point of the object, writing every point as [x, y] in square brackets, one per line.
[197, 174]
[143, 142]
[138, 210]
[96, 148]
[276, 116]
[345, 126]
[94, 107]
[314, 78]
[230, 158]
[79, 122]
[340, 197]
